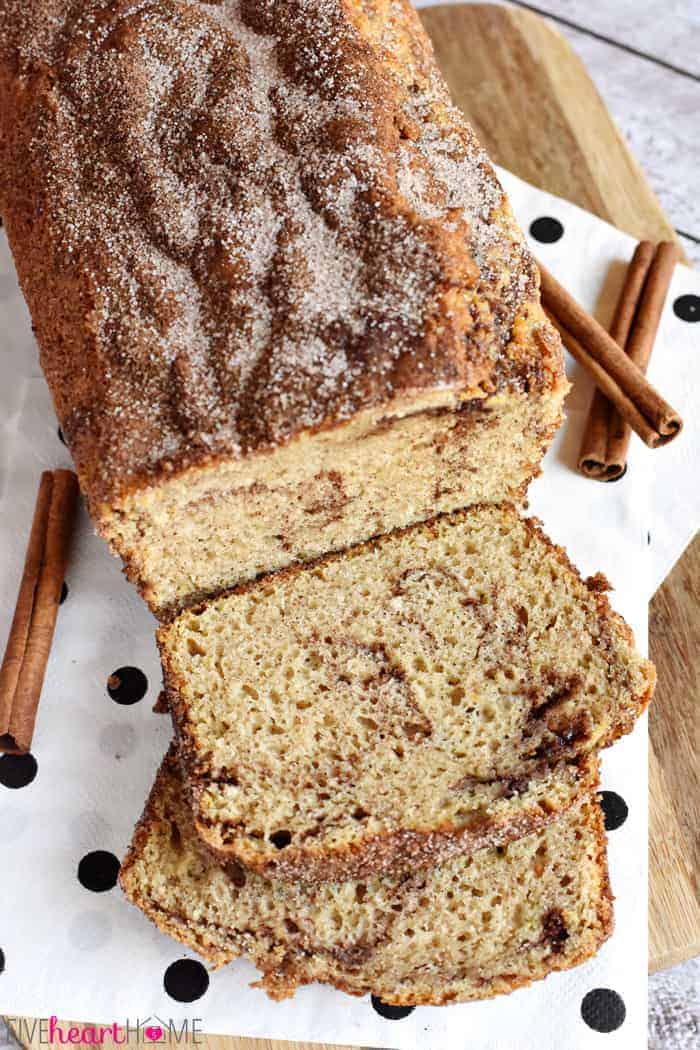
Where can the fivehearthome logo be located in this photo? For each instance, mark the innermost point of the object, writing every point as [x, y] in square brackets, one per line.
[49, 1031]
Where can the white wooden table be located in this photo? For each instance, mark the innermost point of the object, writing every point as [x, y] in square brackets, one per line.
[644, 56]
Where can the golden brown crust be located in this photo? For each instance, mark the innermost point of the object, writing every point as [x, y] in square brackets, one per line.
[161, 706]
[377, 853]
[611, 623]
[176, 926]
[280, 256]
[288, 962]
[282, 982]
[400, 849]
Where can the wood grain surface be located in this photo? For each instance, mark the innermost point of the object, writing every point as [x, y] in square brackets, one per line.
[644, 58]
[537, 112]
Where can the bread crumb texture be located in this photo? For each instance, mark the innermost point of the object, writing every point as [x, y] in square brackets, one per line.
[415, 696]
[473, 927]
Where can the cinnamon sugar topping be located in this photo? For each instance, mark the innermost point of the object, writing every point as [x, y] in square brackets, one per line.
[254, 218]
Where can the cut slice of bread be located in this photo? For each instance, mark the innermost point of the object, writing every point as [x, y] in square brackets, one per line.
[470, 929]
[419, 695]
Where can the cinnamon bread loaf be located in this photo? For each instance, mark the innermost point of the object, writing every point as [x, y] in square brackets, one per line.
[470, 929]
[281, 300]
[417, 696]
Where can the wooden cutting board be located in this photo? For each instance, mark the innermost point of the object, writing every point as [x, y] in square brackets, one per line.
[538, 114]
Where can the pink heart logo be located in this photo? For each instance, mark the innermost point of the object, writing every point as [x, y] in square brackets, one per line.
[153, 1032]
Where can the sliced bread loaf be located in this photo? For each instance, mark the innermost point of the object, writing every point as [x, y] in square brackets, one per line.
[281, 298]
[419, 695]
[469, 929]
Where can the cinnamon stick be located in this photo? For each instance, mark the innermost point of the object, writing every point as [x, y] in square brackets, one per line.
[19, 630]
[646, 324]
[620, 379]
[31, 632]
[604, 381]
[606, 437]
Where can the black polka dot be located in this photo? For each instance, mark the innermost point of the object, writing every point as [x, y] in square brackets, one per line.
[603, 1010]
[16, 771]
[614, 809]
[61, 437]
[391, 1013]
[64, 593]
[546, 230]
[127, 685]
[186, 980]
[98, 871]
[687, 307]
[2, 960]
[619, 477]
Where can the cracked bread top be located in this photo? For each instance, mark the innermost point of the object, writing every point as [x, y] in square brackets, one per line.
[237, 221]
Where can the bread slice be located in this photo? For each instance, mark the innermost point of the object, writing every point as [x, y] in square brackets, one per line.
[416, 696]
[281, 299]
[469, 929]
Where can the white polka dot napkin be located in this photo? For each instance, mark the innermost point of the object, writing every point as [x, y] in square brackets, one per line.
[72, 947]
